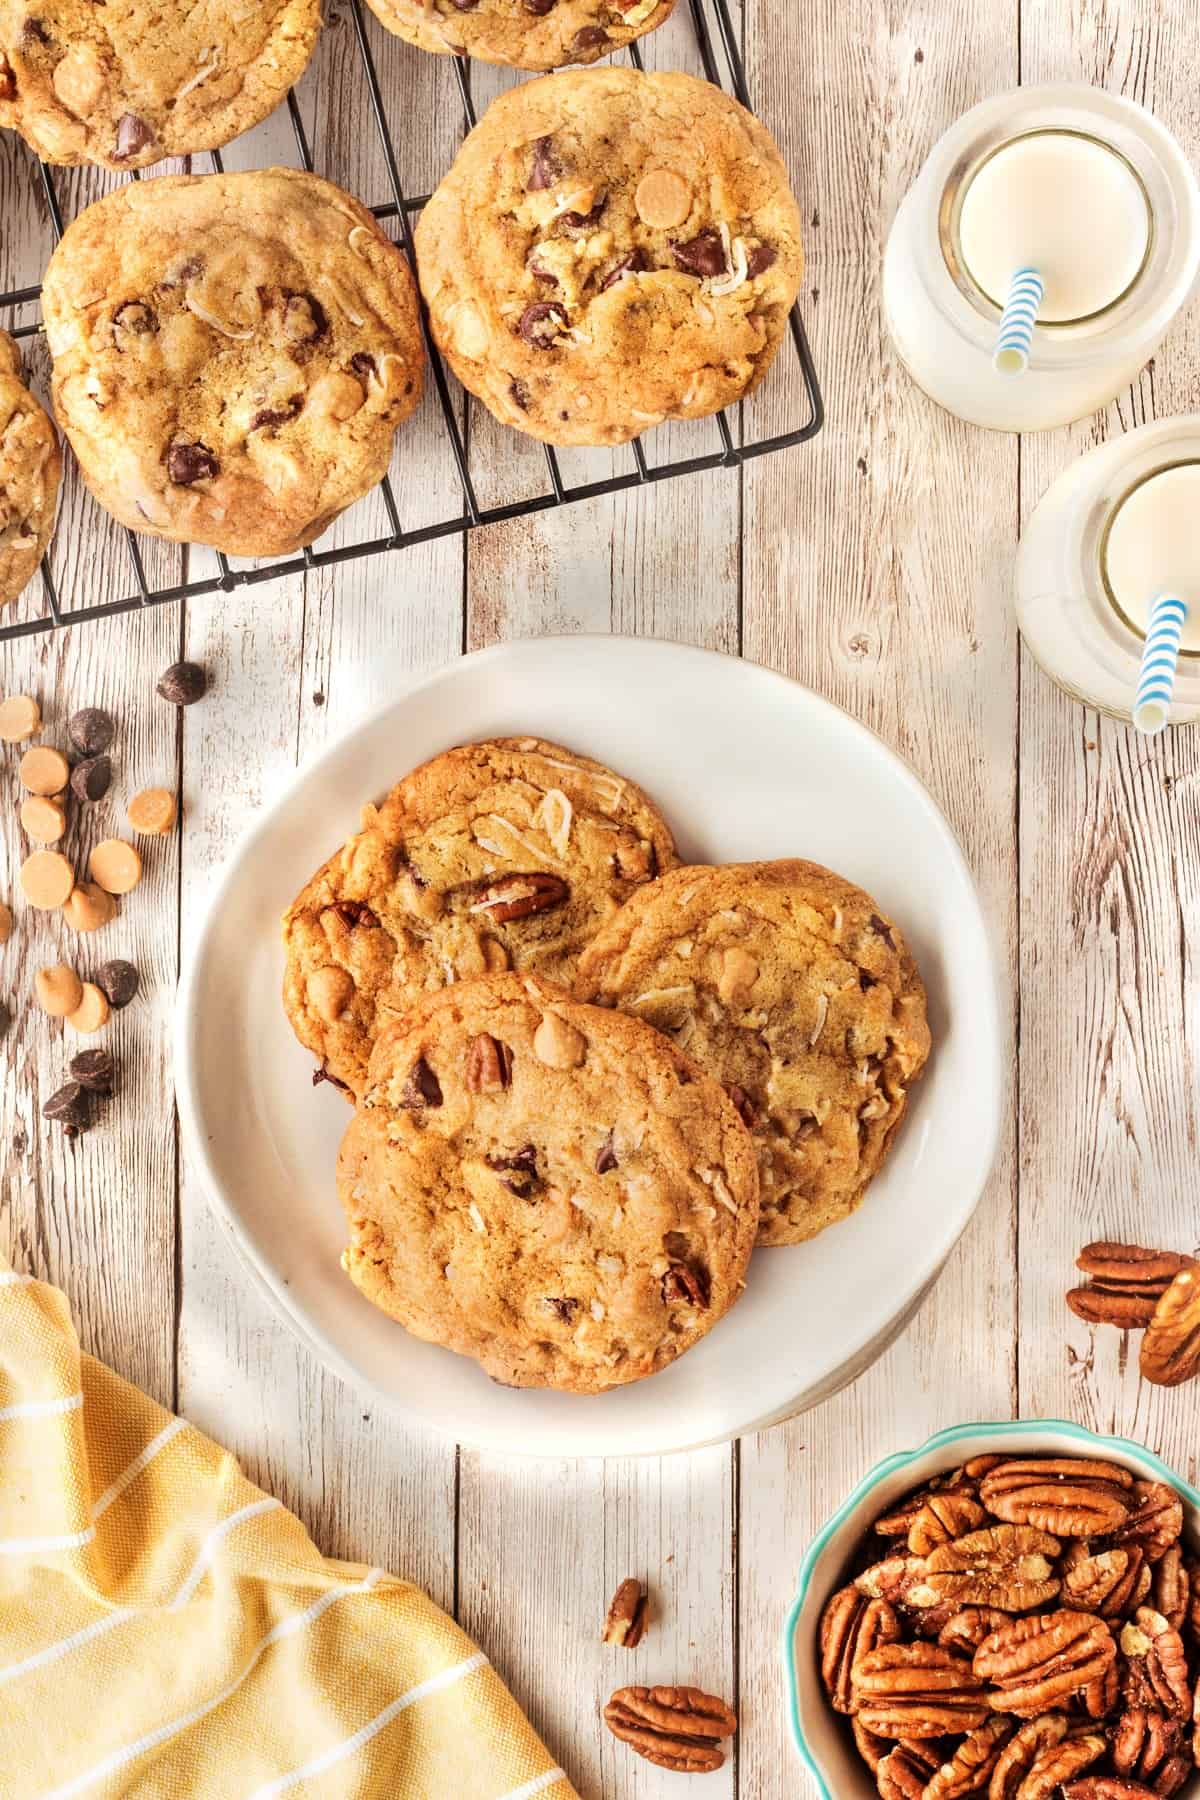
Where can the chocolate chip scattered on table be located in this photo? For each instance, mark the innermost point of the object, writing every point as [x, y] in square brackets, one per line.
[115, 866]
[89, 906]
[152, 811]
[1135, 1289]
[44, 771]
[120, 981]
[1021, 1627]
[58, 990]
[91, 730]
[20, 718]
[47, 880]
[91, 779]
[42, 819]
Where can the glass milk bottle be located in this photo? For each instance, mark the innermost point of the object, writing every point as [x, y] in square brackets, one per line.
[1117, 529]
[1082, 185]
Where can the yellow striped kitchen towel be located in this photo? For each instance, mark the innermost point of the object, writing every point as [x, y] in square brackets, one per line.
[167, 1629]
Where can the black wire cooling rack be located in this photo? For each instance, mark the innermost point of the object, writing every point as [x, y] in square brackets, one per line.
[403, 208]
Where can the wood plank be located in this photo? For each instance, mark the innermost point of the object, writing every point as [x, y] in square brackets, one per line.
[1110, 900]
[875, 568]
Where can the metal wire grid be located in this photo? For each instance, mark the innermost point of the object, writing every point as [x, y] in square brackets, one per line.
[403, 208]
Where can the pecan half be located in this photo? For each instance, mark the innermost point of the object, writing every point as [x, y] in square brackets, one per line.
[1171, 1588]
[943, 1518]
[1100, 1696]
[1006, 1566]
[1108, 1582]
[1072, 1497]
[851, 1627]
[489, 1065]
[918, 1691]
[872, 1749]
[1171, 1346]
[1058, 1764]
[625, 1623]
[1107, 1787]
[1038, 1663]
[1127, 1283]
[970, 1767]
[968, 1628]
[678, 1728]
[517, 896]
[893, 1579]
[1145, 1744]
[905, 1771]
[1155, 1522]
[1022, 1752]
[1156, 1673]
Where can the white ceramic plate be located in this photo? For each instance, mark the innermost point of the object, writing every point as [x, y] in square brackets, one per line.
[745, 764]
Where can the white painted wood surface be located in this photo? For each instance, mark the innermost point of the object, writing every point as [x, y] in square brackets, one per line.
[874, 564]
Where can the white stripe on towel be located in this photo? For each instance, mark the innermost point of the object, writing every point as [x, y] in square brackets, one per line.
[538, 1785]
[200, 1567]
[41, 1409]
[73, 1540]
[130, 1474]
[89, 1633]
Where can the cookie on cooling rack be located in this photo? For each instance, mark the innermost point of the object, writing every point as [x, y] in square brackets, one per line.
[799, 994]
[232, 355]
[528, 34]
[499, 855]
[126, 85]
[30, 469]
[550, 1188]
[611, 249]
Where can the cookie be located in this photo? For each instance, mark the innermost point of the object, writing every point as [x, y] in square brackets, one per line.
[126, 85]
[611, 249]
[508, 854]
[528, 34]
[790, 986]
[30, 469]
[232, 355]
[550, 1188]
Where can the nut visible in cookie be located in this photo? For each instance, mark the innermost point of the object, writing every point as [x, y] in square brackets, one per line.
[30, 471]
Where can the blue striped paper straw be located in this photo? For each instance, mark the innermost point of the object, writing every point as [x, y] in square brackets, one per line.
[1156, 682]
[1026, 291]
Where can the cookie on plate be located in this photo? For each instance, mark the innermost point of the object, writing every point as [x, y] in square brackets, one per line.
[126, 85]
[499, 855]
[550, 1188]
[790, 986]
[30, 470]
[528, 34]
[232, 355]
[611, 249]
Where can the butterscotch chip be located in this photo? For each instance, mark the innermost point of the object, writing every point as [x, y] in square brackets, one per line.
[92, 1013]
[20, 718]
[662, 198]
[116, 865]
[89, 907]
[44, 820]
[152, 811]
[5, 922]
[44, 771]
[47, 879]
[58, 990]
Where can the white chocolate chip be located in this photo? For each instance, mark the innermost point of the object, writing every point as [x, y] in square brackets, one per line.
[739, 971]
[558, 1044]
[79, 80]
[663, 199]
[330, 991]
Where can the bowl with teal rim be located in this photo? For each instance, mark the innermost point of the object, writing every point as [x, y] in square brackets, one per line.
[821, 1736]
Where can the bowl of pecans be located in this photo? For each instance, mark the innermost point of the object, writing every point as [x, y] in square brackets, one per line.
[1011, 1611]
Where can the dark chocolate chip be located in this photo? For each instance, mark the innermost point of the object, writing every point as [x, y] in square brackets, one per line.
[304, 318]
[590, 38]
[539, 8]
[464, 5]
[8, 81]
[91, 779]
[133, 134]
[120, 982]
[545, 276]
[94, 1070]
[580, 221]
[182, 684]
[133, 318]
[519, 394]
[91, 730]
[34, 32]
[322, 1074]
[760, 258]
[183, 272]
[882, 929]
[606, 1156]
[422, 1087]
[562, 1308]
[191, 462]
[269, 418]
[363, 364]
[702, 255]
[632, 264]
[866, 982]
[545, 168]
[71, 1106]
[541, 324]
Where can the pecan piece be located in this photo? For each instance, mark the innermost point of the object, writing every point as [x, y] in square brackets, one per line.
[678, 1728]
[1022, 1752]
[1108, 1582]
[1058, 1764]
[1145, 1744]
[1171, 1346]
[893, 1579]
[1155, 1522]
[943, 1518]
[872, 1749]
[517, 896]
[971, 1766]
[968, 1628]
[1171, 1587]
[851, 1627]
[625, 1623]
[1038, 1663]
[1107, 1787]
[489, 1065]
[1100, 1696]
[1127, 1283]
[1072, 1497]
[905, 1771]
[918, 1691]
[1006, 1566]
[684, 1286]
[1156, 1673]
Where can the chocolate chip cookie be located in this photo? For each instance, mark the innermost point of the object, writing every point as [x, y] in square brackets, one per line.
[30, 468]
[550, 1188]
[611, 249]
[126, 85]
[790, 986]
[528, 34]
[232, 355]
[507, 854]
